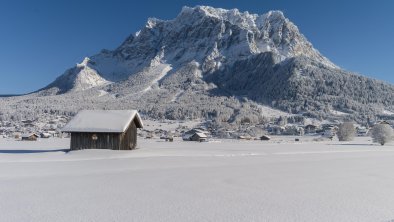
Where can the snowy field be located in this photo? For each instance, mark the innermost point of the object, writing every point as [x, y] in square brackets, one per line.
[279, 180]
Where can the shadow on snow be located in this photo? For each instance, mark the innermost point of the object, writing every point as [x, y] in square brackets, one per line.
[32, 151]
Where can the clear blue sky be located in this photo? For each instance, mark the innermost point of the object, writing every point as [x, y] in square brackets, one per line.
[40, 39]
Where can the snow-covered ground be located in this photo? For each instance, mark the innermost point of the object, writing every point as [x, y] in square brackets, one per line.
[278, 180]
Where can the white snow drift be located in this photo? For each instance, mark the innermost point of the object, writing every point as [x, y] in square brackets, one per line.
[279, 180]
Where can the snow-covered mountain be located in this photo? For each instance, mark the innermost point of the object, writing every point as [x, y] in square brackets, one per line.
[209, 36]
[79, 78]
[217, 64]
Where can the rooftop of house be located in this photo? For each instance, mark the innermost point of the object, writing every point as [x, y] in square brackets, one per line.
[103, 121]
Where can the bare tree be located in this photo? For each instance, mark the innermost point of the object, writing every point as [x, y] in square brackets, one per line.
[346, 131]
[382, 133]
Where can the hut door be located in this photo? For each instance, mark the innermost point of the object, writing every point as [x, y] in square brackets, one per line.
[94, 141]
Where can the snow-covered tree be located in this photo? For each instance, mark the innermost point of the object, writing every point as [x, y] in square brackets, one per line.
[346, 131]
[382, 133]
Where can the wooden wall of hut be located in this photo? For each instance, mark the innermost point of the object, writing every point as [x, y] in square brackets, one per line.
[129, 137]
[81, 141]
[114, 141]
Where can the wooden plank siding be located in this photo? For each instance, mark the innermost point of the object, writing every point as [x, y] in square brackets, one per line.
[115, 141]
[128, 139]
[81, 141]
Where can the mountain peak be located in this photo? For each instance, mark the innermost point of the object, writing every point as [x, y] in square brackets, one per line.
[234, 16]
[209, 11]
[275, 14]
[84, 63]
[151, 23]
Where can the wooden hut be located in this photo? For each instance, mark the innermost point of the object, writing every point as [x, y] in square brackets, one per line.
[310, 128]
[200, 137]
[104, 129]
[187, 136]
[265, 137]
[383, 122]
[30, 137]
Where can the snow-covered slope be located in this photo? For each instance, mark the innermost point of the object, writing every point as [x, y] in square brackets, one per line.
[79, 78]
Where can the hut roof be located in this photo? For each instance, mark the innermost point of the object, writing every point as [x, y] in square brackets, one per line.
[27, 135]
[201, 135]
[103, 121]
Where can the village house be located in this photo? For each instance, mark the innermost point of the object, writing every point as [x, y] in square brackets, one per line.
[310, 129]
[383, 122]
[275, 130]
[196, 134]
[362, 131]
[104, 129]
[28, 123]
[45, 135]
[29, 137]
[200, 137]
[245, 137]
